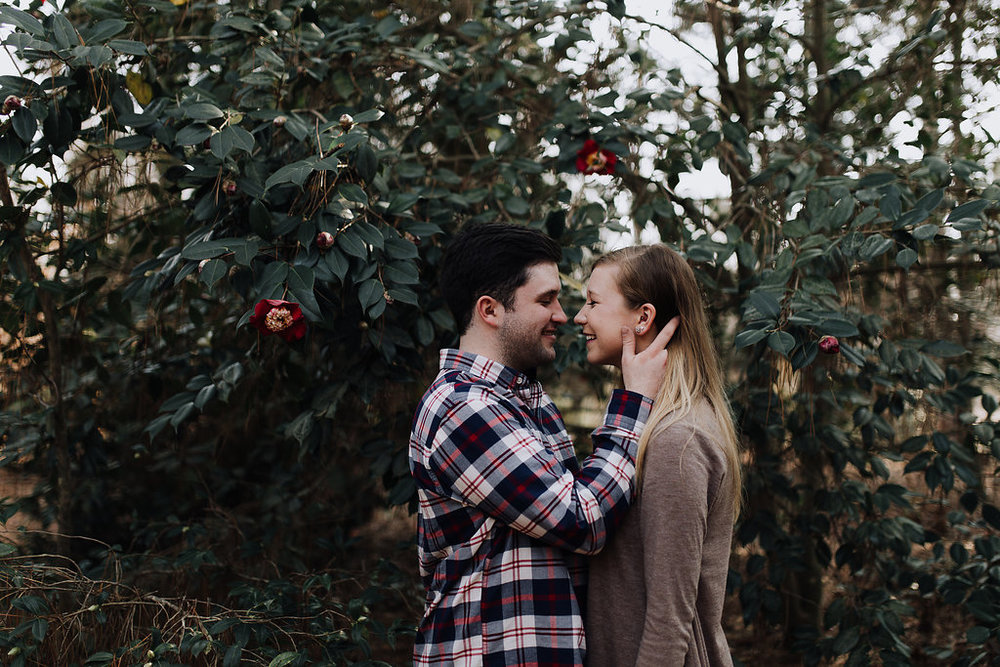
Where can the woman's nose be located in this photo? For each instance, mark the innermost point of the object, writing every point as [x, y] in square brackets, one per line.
[579, 318]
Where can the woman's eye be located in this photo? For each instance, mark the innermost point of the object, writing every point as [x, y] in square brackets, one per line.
[591, 303]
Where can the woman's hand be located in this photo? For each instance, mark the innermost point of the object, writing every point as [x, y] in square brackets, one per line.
[643, 372]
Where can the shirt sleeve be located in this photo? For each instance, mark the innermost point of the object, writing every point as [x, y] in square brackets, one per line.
[486, 454]
[679, 488]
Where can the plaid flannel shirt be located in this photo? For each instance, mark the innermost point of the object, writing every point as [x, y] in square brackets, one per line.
[506, 513]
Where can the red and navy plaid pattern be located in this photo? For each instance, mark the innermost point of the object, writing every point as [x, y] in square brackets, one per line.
[506, 513]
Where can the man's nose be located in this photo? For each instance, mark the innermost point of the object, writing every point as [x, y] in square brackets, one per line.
[559, 315]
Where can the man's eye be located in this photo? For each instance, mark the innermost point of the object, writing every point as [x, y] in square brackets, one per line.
[591, 303]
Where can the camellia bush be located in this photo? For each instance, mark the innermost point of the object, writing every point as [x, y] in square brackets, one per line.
[220, 232]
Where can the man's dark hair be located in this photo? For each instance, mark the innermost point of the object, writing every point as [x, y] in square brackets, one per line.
[491, 259]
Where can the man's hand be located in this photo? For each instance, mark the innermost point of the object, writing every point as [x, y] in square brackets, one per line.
[643, 372]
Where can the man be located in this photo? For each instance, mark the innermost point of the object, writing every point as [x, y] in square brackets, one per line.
[506, 511]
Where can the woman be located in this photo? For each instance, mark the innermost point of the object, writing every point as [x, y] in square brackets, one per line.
[657, 590]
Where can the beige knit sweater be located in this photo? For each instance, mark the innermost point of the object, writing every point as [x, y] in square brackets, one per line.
[657, 590]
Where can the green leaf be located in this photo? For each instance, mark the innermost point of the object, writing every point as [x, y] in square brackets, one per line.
[283, 659]
[370, 292]
[205, 249]
[350, 241]
[873, 246]
[192, 134]
[157, 425]
[838, 326]
[301, 281]
[352, 192]
[781, 342]
[202, 111]
[221, 145]
[39, 627]
[22, 20]
[244, 252]
[337, 263]
[517, 206]
[764, 303]
[296, 172]
[129, 47]
[232, 656]
[398, 248]
[402, 273]
[401, 202]
[925, 232]
[11, 148]
[366, 163]
[104, 30]
[749, 337]
[876, 180]
[133, 143]
[906, 257]
[931, 200]
[64, 32]
[944, 349]
[368, 115]
[24, 124]
[212, 271]
[369, 233]
[969, 209]
[182, 413]
[205, 394]
[890, 204]
[977, 635]
[241, 139]
[386, 27]
[846, 640]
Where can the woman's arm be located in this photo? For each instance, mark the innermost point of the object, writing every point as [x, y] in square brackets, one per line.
[680, 483]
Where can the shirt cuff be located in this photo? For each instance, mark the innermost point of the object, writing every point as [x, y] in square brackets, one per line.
[628, 410]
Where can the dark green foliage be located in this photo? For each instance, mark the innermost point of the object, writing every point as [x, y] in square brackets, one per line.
[169, 166]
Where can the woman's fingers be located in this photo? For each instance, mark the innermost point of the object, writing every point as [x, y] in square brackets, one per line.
[644, 372]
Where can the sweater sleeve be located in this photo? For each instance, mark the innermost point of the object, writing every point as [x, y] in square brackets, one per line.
[681, 481]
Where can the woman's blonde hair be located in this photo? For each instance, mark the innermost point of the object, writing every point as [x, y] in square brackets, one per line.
[660, 276]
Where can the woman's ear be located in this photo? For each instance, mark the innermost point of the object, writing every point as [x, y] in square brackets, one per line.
[647, 314]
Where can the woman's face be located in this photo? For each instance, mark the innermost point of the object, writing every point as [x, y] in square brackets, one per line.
[603, 316]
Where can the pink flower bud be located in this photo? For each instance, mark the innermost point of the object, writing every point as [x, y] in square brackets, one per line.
[829, 345]
[324, 240]
[279, 121]
[229, 187]
[346, 122]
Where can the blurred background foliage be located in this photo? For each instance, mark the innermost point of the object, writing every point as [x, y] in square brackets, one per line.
[199, 493]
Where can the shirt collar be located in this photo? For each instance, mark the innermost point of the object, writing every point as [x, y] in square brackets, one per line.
[485, 368]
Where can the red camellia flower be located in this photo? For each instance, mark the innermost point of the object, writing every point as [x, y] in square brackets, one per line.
[324, 240]
[592, 159]
[274, 316]
[11, 104]
[829, 345]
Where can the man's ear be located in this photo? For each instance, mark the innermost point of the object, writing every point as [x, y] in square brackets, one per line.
[488, 310]
[647, 314]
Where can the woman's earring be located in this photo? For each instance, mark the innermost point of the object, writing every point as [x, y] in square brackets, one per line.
[638, 331]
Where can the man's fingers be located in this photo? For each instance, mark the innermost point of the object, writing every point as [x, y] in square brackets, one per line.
[663, 337]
